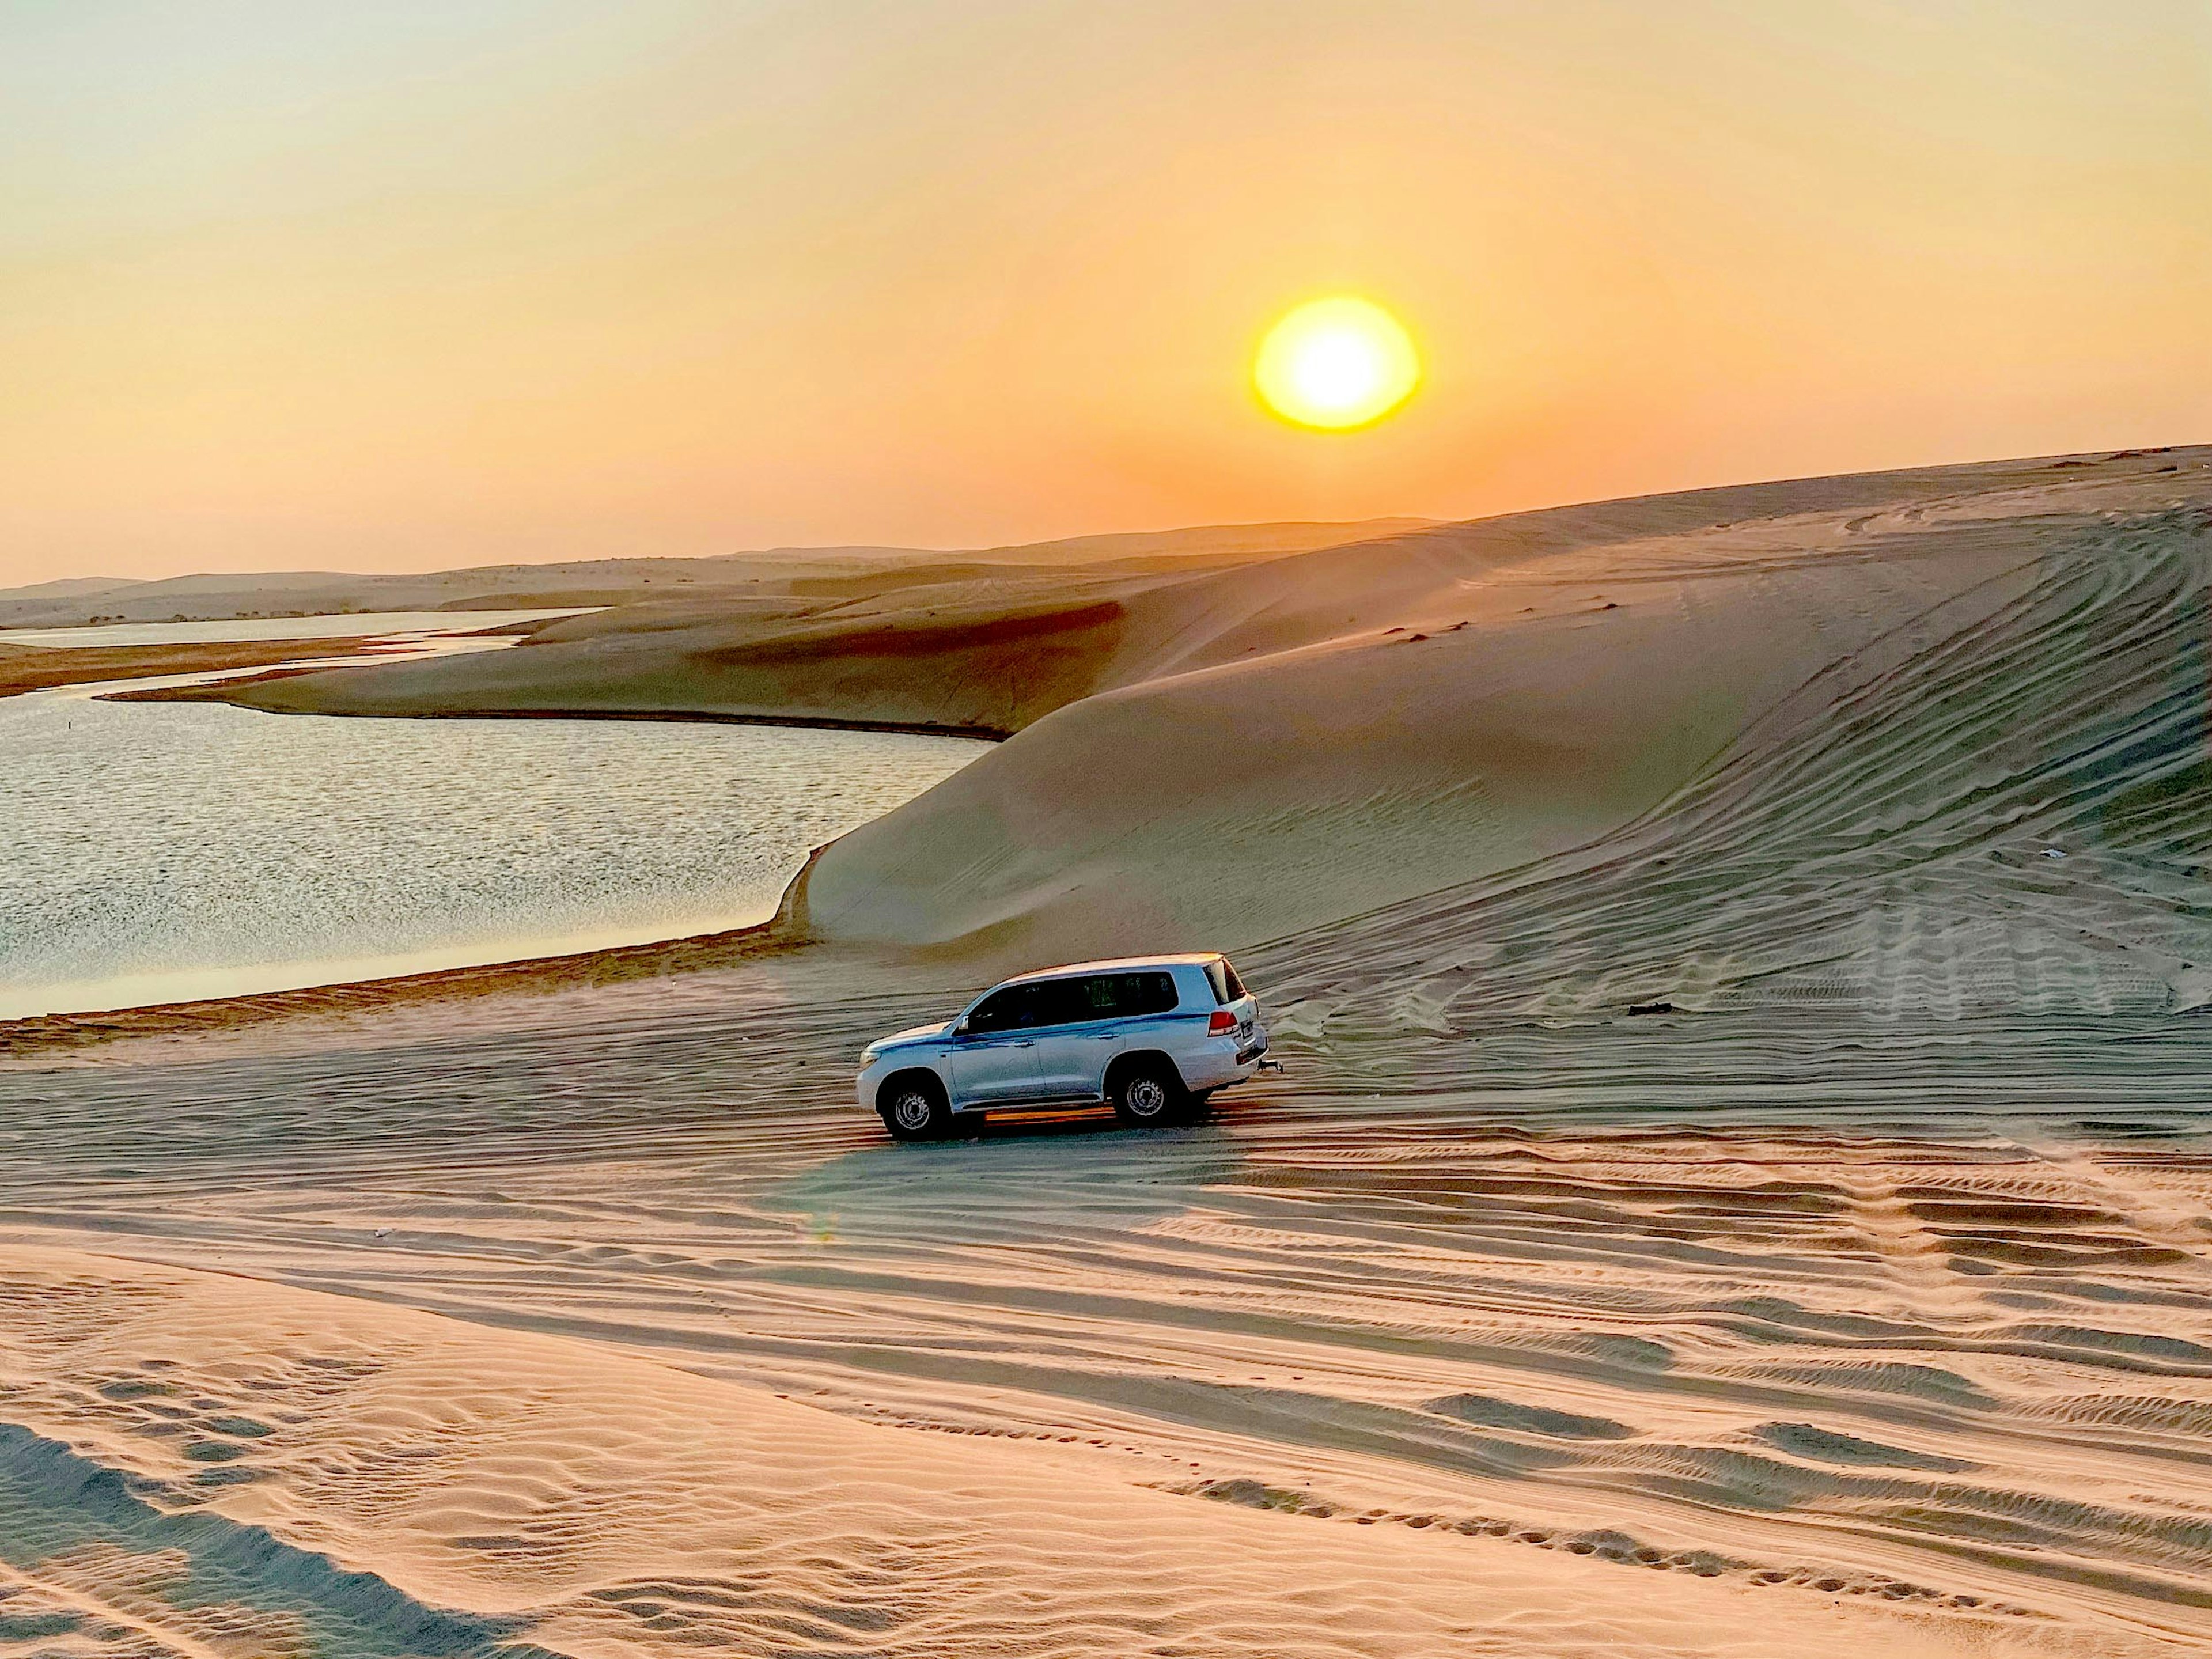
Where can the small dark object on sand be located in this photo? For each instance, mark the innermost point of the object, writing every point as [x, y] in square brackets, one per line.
[1651, 1008]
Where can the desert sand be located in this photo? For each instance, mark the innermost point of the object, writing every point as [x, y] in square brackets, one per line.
[1737, 1185]
[601, 1323]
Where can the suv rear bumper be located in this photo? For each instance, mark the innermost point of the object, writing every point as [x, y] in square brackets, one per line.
[1222, 1063]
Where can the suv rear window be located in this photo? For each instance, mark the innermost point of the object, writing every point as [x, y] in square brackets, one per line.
[1120, 996]
[1227, 988]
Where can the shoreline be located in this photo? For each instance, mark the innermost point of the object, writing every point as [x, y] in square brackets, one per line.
[980, 733]
[25, 669]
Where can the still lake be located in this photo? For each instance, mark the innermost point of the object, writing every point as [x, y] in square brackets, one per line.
[156, 852]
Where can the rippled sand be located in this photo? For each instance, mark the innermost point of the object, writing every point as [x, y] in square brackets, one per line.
[609, 1327]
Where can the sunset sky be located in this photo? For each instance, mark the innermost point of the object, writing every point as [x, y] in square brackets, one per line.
[415, 284]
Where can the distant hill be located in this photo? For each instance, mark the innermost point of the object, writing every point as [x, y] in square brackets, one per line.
[74, 600]
[68, 587]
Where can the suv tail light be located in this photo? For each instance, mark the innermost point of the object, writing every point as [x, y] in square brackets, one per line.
[1222, 1023]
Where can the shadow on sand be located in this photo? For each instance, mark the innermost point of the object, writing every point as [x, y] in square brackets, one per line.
[1025, 1175]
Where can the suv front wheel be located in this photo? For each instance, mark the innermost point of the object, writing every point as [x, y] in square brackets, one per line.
[1148, 1093]
[913, 1108]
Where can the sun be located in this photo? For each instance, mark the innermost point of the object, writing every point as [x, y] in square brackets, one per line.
[1336, 364]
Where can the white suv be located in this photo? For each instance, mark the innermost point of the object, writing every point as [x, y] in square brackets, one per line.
[1151, 1036]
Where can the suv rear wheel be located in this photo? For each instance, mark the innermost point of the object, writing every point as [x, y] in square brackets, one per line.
[1148, 1093]
[913, 1108]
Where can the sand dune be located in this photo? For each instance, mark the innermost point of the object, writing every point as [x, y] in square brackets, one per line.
[1805, 690]
[2002, 805]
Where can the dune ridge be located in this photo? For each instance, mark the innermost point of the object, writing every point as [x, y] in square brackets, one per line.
[2004, 803]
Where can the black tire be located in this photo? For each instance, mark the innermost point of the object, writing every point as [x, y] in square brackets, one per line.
[1148, 1093]
[913, 1108]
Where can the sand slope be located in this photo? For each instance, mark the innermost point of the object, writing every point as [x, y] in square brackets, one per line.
[1799, 695]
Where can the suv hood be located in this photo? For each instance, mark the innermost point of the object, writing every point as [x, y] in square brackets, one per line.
[915, 1034]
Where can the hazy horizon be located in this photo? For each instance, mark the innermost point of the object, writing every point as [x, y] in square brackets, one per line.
[507, 281]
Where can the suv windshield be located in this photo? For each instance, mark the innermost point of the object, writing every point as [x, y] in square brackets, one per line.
[1227, 988]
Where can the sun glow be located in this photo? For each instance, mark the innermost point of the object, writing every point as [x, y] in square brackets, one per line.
[1336, 364]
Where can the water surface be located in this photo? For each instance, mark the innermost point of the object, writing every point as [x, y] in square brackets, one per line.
[159, 852]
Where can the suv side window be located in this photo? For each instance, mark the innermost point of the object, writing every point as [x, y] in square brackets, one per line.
[1009, 1010]
[1027, 1007]
[1060, 1002]
[1123, 996]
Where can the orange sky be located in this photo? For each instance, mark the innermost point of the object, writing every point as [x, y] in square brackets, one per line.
[420, 284]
